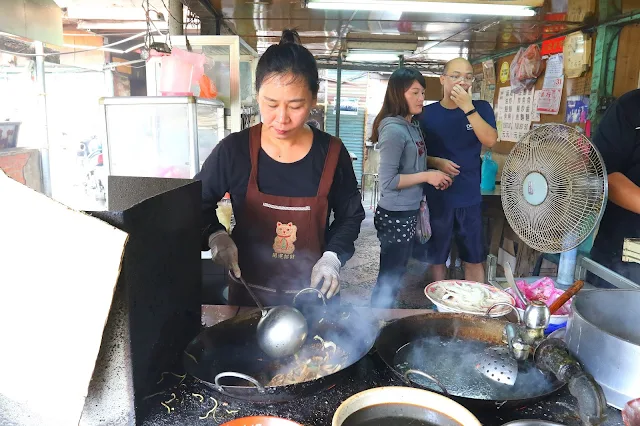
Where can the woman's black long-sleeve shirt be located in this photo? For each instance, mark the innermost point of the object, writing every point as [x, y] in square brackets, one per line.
[228, 167]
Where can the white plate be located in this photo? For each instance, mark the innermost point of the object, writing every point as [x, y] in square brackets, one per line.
[437, 292]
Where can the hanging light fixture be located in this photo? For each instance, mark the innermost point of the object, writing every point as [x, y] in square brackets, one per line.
[424, 7]
[375, 56]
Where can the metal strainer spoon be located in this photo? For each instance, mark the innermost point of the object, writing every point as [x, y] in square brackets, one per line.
[496, 363]
[282, 330]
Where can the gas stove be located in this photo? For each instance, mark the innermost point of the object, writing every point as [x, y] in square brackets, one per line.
[180, 400]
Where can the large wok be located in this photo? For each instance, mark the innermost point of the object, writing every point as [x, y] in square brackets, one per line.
[434, 360]
[229, 354]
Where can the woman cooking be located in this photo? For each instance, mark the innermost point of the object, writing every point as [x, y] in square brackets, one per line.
[285, 179]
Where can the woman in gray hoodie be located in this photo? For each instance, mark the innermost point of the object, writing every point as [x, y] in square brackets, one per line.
[403, 171]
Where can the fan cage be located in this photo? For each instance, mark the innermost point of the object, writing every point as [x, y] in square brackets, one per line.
[577, 188]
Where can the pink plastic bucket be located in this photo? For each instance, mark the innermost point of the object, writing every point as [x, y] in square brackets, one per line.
[179, 72]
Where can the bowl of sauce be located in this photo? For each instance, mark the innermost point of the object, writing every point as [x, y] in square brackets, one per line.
[393, 405]
[261, 421]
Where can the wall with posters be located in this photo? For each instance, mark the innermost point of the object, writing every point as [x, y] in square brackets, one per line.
[573, 107]
[503, 239]
[570, 87]
[572, 93]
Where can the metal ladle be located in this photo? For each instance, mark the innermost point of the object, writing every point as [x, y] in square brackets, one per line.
[508, 273]
[496, 363]
[282, 330]
[500, 364]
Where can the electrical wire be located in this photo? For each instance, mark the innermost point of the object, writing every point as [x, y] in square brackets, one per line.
[14, 70]
[170, 14]
[192, 19]
[89, 34]
[33, 55]
[148, 37]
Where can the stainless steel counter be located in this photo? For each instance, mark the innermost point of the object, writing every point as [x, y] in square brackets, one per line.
[583, 265]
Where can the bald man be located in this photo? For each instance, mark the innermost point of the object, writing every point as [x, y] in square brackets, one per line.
[455, 130]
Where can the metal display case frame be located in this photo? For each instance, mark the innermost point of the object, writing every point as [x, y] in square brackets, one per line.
[239, 51]
[192, 122]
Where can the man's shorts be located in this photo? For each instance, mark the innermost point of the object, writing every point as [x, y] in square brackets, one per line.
[465, 225]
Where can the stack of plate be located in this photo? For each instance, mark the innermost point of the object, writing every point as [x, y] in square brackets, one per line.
[468, 297]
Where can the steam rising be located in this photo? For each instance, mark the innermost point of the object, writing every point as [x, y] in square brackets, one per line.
[352, 333]
[388, 286]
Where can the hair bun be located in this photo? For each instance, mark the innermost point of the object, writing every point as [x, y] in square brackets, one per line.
[290, 37]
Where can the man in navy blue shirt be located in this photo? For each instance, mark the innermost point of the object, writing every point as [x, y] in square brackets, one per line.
[455, 130]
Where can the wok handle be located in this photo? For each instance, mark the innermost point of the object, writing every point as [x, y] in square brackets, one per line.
[308, 289]
[564, 297]
[552, 355]
[238, 376]
[495, 305]
[426, 376]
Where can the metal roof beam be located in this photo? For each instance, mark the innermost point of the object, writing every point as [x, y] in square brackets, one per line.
[432, 68]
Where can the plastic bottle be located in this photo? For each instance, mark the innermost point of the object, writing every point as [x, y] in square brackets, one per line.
[488, 173]
[225, 213]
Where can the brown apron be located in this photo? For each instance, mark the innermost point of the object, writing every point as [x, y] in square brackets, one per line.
[280, 238]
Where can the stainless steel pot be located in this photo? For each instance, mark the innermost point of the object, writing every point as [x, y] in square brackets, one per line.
[603, 333]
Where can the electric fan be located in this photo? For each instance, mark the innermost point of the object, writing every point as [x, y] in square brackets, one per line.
[554, 191]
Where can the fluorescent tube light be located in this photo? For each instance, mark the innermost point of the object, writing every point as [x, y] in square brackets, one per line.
[373, 57]
[423, 7]
[89, 48]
